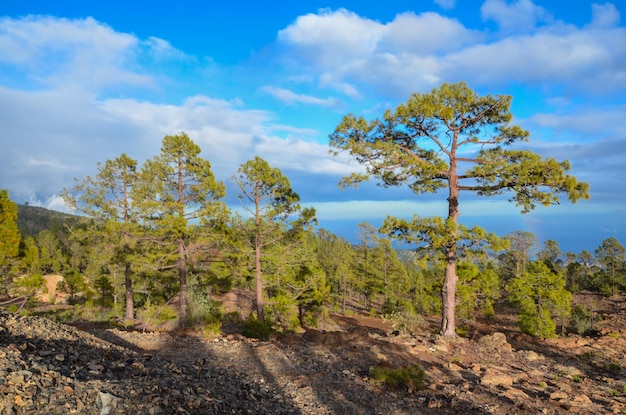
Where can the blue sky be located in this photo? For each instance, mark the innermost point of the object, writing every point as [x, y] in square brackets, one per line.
[82, 82]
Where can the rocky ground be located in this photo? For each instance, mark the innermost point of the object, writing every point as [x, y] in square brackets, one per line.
[50, 368]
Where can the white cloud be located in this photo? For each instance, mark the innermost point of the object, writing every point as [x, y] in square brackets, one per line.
[161, 48]
[587, 122]
[80, 52]
[399, 56]
[417, 52]
[518, 16]
[328, 37]
[604, 15]
[446, 4]
[291, 97]
[424, 34]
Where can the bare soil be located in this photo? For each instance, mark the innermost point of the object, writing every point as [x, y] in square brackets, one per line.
[497, 369]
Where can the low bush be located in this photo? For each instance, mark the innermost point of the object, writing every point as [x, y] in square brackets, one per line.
[255, 329]
[410, 377]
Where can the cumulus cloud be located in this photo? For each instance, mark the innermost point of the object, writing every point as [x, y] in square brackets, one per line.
[518, 16]
[415, 52]
[604, 15]
[84, 53]
[446, 4]
[328, 37]
[291, 97]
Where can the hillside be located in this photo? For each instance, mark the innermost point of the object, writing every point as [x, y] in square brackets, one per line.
[46, 367]
[33, 219]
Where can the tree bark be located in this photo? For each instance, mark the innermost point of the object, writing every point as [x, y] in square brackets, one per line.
[448, 291]
[128, 284]
[259, 279]
[182, 279]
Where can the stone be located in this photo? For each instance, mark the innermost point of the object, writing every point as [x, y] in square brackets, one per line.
[582, 400]
[107, 403]
[495, 378]
[496, 341]
[531, 355]
[558, 395]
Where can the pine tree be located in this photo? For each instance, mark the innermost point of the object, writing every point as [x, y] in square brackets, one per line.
[274, 210]
[107, 198]
[452, 139]
[9, 238]
[179, 195]
[540, 296]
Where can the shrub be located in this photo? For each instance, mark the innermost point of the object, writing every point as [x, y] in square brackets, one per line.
[152, 313]
[255, 329]
[282, 311]
[581, 319]
[202, 310]
[411, 377]
[407, 321]
[539, 295]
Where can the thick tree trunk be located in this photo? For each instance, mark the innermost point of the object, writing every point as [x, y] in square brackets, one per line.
[448, 297]
[182, 278]
[128, 284]
[448, 291]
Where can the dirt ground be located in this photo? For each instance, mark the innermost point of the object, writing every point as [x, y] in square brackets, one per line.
[496, 369]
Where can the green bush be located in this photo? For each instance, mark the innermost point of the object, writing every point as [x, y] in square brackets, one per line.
[407, 321]
[152, 313]
[540, 296]
[410, 377]
[282, 312]
[202, 310]
[581, 319]
[255, 329]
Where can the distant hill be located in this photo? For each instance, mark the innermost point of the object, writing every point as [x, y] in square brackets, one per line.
[33, 219]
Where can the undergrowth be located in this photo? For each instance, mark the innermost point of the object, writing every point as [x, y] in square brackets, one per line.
[410, 377]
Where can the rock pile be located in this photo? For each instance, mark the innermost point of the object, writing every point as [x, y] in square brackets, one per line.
[48, 368]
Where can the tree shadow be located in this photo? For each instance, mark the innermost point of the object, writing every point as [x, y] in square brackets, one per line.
[71, 367]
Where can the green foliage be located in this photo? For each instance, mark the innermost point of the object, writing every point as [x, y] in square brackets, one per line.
[255, 329]
[406, 321]
[282, 312]
[204, 311]
[610, 256]
[9, 232]
[30, 285]
[51, 257]
[582, 319]
[275, 215]
[410, 377]
[477, 289]
[463, 330]
[9, 240]
[105, 290]
[452, 138]
[179, 196]
[73, 283]
[157, 314]
[34, 219]
[540, 296]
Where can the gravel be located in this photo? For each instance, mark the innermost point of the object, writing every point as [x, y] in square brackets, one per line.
[51, 368]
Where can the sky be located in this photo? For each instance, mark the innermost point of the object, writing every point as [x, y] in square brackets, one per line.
[83, 82]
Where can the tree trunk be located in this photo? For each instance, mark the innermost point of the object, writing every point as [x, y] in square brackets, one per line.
[259, 280]
[182, 278]
[448, 291]
[448, 296]
[128, 284]
[345, 293]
